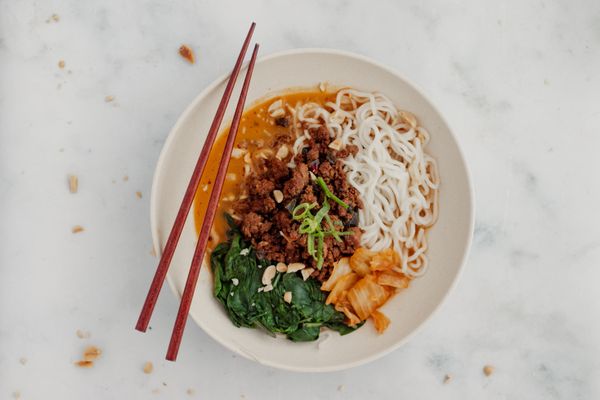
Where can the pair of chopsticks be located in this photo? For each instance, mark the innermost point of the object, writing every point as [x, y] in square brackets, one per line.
[186, 204]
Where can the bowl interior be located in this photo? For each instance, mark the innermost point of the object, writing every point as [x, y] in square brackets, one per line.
[449, 239]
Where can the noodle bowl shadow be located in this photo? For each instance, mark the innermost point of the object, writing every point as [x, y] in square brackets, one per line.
[449, 239]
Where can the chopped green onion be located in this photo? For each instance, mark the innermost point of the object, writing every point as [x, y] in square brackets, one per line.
[310, 245]
[329, 194]
[302, 211]
[319, 251]
[322, 213]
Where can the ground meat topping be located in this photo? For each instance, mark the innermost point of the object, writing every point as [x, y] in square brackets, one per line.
[269, 226]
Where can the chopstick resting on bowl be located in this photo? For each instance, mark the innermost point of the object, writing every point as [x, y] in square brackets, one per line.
[211, 210]
[186, 204]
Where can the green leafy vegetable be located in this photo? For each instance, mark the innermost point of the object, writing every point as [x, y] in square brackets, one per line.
[237, 279]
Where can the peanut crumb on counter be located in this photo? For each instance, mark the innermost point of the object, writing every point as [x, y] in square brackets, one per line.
[77, 229]
[138, 194]
[82, 335]
[125, 178]
[91, 353]
[148, 367]
[23, 360]
[53, 18]
[84, 364]
[108, 99]
[488, 370]
[186, 52]
[447, 378]
[61, 64]
[190, 392]
[73, 183]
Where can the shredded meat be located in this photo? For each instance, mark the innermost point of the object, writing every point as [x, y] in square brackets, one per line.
[269, 226]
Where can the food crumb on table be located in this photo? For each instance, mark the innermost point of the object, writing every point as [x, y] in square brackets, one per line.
[61, 64]
[447, 378]
[186, 52]
[91, 353]
[84, 363]
[488, 370]
[23, 360]
[16, 394]
[108, 99]
[77, 229]
[148, 367]
[83, 334]
[138, 194]
[125, 178]
[53, 18]
[190, 392]
[340, 388]
[73, 183]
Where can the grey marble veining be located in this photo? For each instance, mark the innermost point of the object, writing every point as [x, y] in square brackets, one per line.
[518, 81]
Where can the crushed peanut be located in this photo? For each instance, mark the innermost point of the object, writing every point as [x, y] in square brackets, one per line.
[186, 52]
[281, 267]
[336, 144]
[447, 378]
[84, 364]
[294, 267]
[73, 183]
[82, 335]
[282, 152]
[238, 153]
[61, 64]
[91, 353]
[287, 297]
[306, 273]
[488, 370]
[278, 195]
[268, 275]
[77, 229]
[108, 99]
[125, 178]
[138, 194]
[148, 367]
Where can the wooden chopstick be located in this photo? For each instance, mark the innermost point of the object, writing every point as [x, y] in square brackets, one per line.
[190, 284]
[188, 198]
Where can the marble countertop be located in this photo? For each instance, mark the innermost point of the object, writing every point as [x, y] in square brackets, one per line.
[517, 80]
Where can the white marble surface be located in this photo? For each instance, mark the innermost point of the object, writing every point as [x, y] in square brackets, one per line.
[519, 82]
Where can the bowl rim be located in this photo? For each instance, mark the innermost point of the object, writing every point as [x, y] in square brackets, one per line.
[324, 51]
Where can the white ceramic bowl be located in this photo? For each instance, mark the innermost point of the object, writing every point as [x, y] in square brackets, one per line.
[449, 239]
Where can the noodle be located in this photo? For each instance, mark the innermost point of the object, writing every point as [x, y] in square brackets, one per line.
[397, 180]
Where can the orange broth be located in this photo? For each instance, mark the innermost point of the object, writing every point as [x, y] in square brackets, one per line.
[256, 126]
